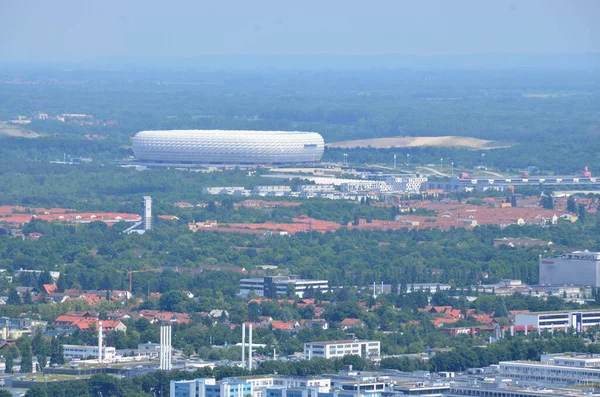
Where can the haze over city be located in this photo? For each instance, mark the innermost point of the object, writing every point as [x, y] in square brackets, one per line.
[327, 198]
[71, 30]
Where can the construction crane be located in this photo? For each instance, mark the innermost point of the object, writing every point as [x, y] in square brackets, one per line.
[130, 272]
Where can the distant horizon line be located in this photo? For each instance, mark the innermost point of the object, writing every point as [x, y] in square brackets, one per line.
[328, 60]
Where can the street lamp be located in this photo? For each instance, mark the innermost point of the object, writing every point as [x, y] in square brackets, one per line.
[441, 165]
[407, 159]
[452, 173]
[394, 161]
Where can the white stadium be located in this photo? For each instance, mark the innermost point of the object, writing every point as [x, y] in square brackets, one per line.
[228, 147]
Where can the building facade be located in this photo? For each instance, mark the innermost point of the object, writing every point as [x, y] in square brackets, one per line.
[209, 387]
[337, 349]
[579, 268]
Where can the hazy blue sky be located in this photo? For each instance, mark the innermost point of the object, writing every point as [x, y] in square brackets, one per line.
[81, 29]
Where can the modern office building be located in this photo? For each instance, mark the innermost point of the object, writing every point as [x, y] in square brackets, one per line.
[559, 320]
[228, 147]
[209, 387]
[275, 286]
[337, 349]
[576, 268]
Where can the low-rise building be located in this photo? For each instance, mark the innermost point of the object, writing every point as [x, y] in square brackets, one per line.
[336, 349]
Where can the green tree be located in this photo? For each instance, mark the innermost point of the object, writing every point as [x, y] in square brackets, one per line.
[13, 297]
[26, 359]
[547, 202]
[9, 362]
[581, 212]
[56, 352]
[36, 391]
[571, 206]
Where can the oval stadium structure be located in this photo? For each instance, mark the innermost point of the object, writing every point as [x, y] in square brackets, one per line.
[228, 147]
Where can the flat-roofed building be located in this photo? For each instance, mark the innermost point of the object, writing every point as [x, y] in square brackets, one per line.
[548, 372]
[336, 349]
[503, 389]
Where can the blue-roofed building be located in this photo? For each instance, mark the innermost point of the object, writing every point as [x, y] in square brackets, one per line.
[208, 387]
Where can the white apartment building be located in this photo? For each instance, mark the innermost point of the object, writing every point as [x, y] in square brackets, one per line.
[426, 287]
[315, 188]
[559, 320]
[226, 190]
[80, 352]
[337, 349]
[271, 190]
[406, 184]
[359, 185]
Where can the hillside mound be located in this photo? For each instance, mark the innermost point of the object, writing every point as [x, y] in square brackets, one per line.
[415, 141]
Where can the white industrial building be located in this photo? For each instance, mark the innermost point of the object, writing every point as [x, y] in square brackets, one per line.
[337, 349]
[81, 352]
[228, 146]
[580, 268]
[559, 320]
[275, 286]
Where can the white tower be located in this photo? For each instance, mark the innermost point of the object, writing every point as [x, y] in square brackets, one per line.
[244, 345]
[165, 347]
[100, 342]
[147, 213]
[250, 349]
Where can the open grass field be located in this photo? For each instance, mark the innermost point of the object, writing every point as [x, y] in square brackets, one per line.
[407, 141]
